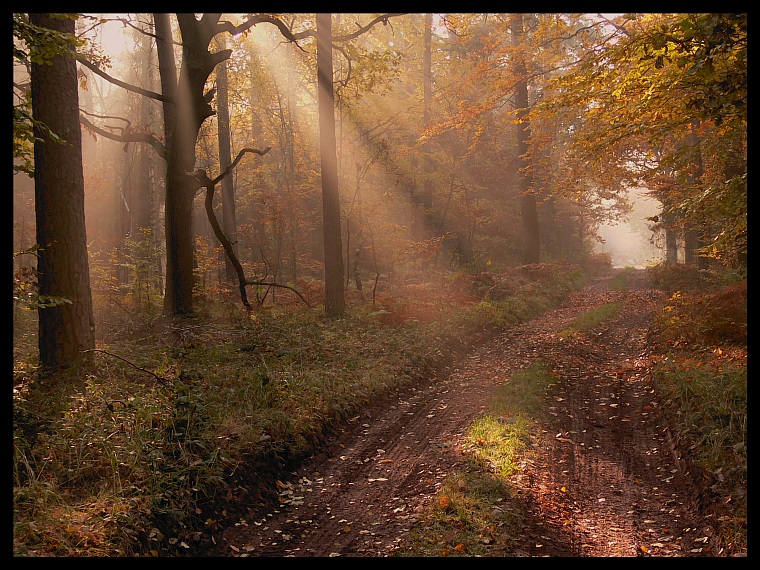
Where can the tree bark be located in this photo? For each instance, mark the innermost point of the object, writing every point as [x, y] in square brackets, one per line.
[192, 108]
[532, 249]
[229, 223]
[693, 234]
[67, 329]
[167, 70]
[333, 249]
[427, 96]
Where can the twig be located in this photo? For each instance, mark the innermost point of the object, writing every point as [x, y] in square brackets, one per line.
[161, 379]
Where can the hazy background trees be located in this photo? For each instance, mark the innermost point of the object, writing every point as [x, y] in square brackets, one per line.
[463, 142]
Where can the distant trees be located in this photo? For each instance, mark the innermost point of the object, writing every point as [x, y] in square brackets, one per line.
[463, 134]
[664, 106]
[67, 327]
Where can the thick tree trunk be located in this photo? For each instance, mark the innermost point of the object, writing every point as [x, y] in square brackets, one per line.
[63, 267]
[333, 249]
[532, 249]
[167, 70]
[192, 109]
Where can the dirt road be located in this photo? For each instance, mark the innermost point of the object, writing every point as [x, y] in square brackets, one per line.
[601, 478]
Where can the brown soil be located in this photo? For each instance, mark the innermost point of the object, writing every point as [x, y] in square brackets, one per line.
[601, 479]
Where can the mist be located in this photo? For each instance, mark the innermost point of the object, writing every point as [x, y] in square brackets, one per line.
[631, 242]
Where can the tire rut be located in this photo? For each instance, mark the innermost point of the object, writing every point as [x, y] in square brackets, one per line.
[600, 479]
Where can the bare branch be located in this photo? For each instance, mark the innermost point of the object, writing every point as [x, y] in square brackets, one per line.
[237, 159]
[208, 184]
[128, 86]
[127, 136]
[295, 37]
[260, 19]
[383, 18]
[161, 379]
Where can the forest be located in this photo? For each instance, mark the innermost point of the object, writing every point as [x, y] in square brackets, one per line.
[234, 234]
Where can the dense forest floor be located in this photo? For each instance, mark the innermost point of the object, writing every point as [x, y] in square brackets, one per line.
[602, 474]
[526, 413]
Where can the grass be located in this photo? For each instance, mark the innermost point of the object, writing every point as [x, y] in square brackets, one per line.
[172, 426]
[619, 281]
[477, 512]
[590, 319]
[701, 372]
[143, 456]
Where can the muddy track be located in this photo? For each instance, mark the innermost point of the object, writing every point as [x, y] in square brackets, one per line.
[601, 478]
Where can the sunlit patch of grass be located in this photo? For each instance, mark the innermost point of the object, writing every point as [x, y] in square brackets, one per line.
[590, 319]
[476, 512]
[472, 515]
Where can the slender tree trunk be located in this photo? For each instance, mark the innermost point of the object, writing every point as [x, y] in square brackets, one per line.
[333, 249]
[532, 249]
[229, 223]
[427, 89]
[63, 267]
[168, 77]
[692, 235]
[671, 246]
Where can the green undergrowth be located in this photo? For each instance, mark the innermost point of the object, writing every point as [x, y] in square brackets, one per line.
[699, 342]
[172, 427]
[619, 281]
[477, 511]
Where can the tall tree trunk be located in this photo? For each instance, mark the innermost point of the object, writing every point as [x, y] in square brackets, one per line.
[167, 70]
[333, 249]
[63, 267]
[192, 109]
[427, 96]
[693, 233]
[532, 248]
[229, 224]
[144, 196]
[671, 246]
